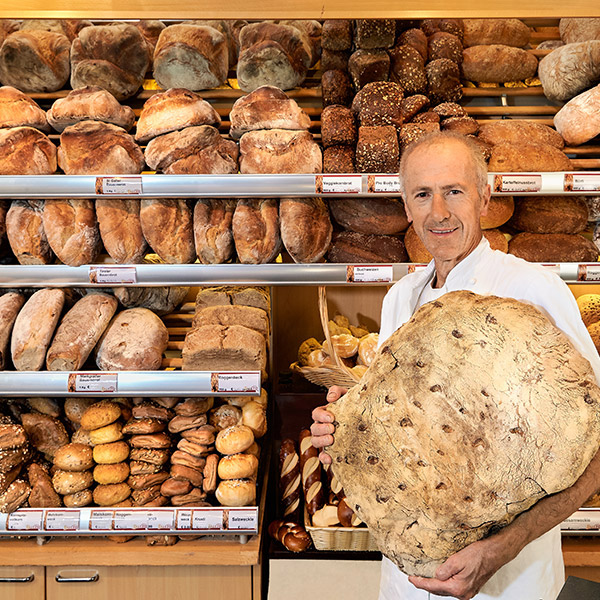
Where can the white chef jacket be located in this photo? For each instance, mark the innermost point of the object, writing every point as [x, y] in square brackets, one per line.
[537, 573]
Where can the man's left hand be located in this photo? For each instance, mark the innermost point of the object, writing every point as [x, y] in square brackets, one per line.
[464, 573]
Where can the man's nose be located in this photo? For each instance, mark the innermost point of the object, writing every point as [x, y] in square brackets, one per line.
[439, 208]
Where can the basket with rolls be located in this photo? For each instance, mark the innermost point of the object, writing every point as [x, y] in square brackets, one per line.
[344, 355]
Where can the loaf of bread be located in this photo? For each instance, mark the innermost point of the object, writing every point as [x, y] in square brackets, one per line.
[553, 247]
[72, 230]
[289, 479]
[337, 34]
[336, 87]
[25, 232]
[229, 30]
[413, 105]
[272, 54]
[35, 61]
[356, 248]
[160, 300]
[42, 492]
[374, 33]
[305, 228]
[193, 57]
[213, 235]
[121, 229]
[500, 210]
[443, 81]
[442, 44]
[407, 68]
[151, 30]
[497, 63]
[10, 305]
[258, 297]
[377, 150]
[335, 60]
[89, 103]
[198, 149]
[279, 151]
[339, 159]
[8, 26]
[248, 316]
[509, 32]
[113, 57]
[167, 226]
[415, 38]
[570, 69]
[255, 228]
[525, 157]
[366, 66]
[267, 107]
[579, 29]
[3, 211]
[17, 110]
[384, 216]
[550, 214]
[172, 110]
[310, 30]
[94, 147]
[134, 341]
[34, 327]
[68, 27]
[379, 103]
[579, 119]
[221, 348]
[79, 331]
[26, 151]
[517, 132]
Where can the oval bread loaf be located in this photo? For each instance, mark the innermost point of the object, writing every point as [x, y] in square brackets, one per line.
[121, 229]
[528, 158]
[550, 214]
[510, 32]
[553, 247]
[10, 305]
[26, 235]
[498, 64]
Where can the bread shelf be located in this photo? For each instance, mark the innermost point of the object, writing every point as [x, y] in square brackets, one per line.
[586, 521]
[129, 383]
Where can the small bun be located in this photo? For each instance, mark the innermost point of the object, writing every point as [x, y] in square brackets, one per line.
[109, 495]
[74, 457]
[225, 416]
[109, 454]
[236, 492]
[254, 415]
[75, 407]
[234, 439]
[238, 466]
[108, 434]
[69, 482]
[100, 414]
[78, 499]
[107, 474]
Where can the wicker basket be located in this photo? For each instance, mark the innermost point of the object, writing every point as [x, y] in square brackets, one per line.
[327, 376]
[340, 538]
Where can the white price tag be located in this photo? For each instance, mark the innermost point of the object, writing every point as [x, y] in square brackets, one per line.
[235, 383]
[209, 520]
[184, 519]
[383, 184]
[244, 519]
[130, 520]
[26, 520]
[92, 382]
[113, 275]
[517, 182]
[582, 519]
[119, 185]
[369, 273]
[338, 184]
[588, 272]
[161, 519]
[582, 182]
[101, 520]
[62, 520]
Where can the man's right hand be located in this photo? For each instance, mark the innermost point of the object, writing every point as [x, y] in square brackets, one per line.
[322, 429]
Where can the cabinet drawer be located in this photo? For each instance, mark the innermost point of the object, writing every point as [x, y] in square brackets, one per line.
[22, 583]
[150, 583]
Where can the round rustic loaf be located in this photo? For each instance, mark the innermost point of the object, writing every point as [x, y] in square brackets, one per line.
[579, 119]
[446, 379]
[26, 151]
[17, 109]
[500, 210]
[550, 214]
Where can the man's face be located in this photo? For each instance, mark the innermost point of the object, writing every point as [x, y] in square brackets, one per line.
[442, 199]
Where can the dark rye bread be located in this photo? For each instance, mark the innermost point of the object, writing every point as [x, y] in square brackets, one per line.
[411, 132]
[377, 150]
[17, 109]
[379, 103]
[366, 66]
[415, 38]
[336, 34]
[443, 81]
[338, 126]
[335, 59]
[553, 247]
[550, 214]
[412, 105]
[407, 68]
[385, 216]
[339, 159]
[374, 33]
[336, 88]
[350, 247]
[445, 45]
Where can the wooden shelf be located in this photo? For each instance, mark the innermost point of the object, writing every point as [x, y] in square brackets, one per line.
[581, 551]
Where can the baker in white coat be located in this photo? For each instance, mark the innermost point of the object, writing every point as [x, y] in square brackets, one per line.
[445, 191]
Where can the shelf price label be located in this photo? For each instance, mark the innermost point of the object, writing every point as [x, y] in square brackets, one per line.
[161, 519]
[413, 268]
[338, 184]
[369, 273]
[119, 185]
[208, 520]
[82, 383]
[184, 519]
[588, 272]
[517, 182]
[61, 520]
[244, 519]
[112, 275]
[235, 383]
[582, 182]
[383, 184]
[25, 520]
[101, 520]
[130, 520]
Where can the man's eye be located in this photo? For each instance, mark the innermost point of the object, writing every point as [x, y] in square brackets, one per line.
[421, 195]
[455, 192]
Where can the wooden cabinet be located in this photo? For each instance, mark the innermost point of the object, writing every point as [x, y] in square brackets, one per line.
[22, 583]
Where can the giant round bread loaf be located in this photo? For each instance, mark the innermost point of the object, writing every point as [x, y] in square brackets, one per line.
[426, 445]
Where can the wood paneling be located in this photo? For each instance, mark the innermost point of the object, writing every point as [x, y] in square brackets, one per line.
[30, 590]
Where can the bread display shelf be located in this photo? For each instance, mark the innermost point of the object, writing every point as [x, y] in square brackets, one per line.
[128, 383]
[585, 521]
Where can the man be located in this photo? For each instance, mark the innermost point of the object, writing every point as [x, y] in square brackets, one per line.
[445, 191]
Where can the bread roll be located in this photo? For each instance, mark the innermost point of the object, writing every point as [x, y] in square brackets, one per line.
[254, 416]
[110, 474]
[35, 61]
[109, 495]
[42, 492]
[26, 151]
[167, 226]
[113, 57]
[255, 228]
[553, 247]
[94, 148]
[356, 248]
[68, 482]
[188, 460]
[579, 29]
[416, 38]
[152, 456]
[147, 480]
[74, 457]
[47, 406]
[191, 407]
[335, 60]
[121, 230]
[146, 497]
[378, 215]
[75, 407]
[10, 305]
[579, 119]
[193, 57]
[107, 434]
[155, 441]
[196, 497]
[25, 232]
[172, 110]
[510, 32]
[160, 300]
[182, 472]
[570, 69]
[34, 327]
[81, 436]
[138, 467]
[134, 341]
[14, 496]
[90, 103]
[17, 109]
[238, 466]
[279, 151]
[550, 214]
[589, 307]
[305, 228]
[198, 149]
[100, 414]
[377, 150]
[147, 409]
[178, 424]
[78, 499]
[225, 416]
[248, 316]
[175, 487]
[500, 210]
[336, 88]
[242, 400]
[235, 439]
[518, 132]
[527, 158]
[236, 492]
[213, 236]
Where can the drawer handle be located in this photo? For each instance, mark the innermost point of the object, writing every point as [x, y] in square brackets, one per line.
[61, 579]
[27, 579]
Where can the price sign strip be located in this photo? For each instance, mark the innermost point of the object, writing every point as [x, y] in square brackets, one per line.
[140, 521]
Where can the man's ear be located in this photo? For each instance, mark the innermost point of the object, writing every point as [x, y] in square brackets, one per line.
[407, 210]
[485, 200]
